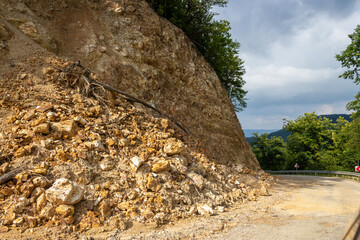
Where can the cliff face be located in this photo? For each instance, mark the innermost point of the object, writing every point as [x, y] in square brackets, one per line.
[131, 48]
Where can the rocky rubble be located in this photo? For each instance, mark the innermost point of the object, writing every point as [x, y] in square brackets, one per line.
[84, 164]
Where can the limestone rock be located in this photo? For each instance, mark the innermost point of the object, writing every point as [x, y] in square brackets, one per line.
[173, 147]
[117, 223]
[161, 166]
[42, 128]
[65, 210]
[136, 162]
[63, 191]
[105, 209]
[96, 145]
[205, 210]
[197, 179]
[67, 127]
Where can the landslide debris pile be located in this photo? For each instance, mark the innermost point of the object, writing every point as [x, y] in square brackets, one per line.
[72, 160]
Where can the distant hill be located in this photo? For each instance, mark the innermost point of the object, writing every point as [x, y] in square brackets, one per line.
[249, 132]
[284, 134]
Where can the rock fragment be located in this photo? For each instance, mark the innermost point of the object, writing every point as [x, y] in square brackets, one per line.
[64, 191]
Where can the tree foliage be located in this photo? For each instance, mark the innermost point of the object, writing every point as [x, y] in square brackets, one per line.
[350, 59]
[271, 153]
[211, 37]
[314, 142]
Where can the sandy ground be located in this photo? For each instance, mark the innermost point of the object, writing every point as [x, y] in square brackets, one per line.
[300, 207]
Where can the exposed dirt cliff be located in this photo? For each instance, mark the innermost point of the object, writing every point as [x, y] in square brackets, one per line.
[74, 153]
[133, 49]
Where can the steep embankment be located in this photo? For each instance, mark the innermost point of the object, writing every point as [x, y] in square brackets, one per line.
[74, 154]
[133, 49]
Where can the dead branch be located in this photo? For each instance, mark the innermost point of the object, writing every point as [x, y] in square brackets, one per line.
[9, 176]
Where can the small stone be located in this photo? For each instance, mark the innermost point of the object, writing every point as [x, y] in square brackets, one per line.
[4, 229]
[4, 167]
[161, 166]
[262, 191]
[80, 120]
[106, 165]
[44, 108]
[66, 128]
[123, 142]
[103, 49]
[164, 123]
[18, 222]
[20, 205]
[39, 121]
[12, 119]
[36, 193]
[43, 128]
[48, 70]
[105, 209]
[39, 170]
[117, 223]
[205, 210]
[29, 115]
[20, 152]
[65, 210]
[9, 217]
[6, 191]
[40, 202]
[64, 191]
[136, 162]
[22, 177]
[197, 179]
[173, 146]
[48, 211]
[221, 209]
[23, 76]
[31, 221]
[147, 214]
[110, 142]
[26, 189]
[152, 184]
[124, 206]
[40, 182]
[95, 111]
[95, 145]
[51, 116]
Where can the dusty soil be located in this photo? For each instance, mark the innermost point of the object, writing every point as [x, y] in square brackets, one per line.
[300, 207]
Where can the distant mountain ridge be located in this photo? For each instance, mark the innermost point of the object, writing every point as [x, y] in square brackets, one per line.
[249, 132]
[284, 134]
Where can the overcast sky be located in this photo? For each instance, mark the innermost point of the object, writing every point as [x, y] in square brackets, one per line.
[289, 49]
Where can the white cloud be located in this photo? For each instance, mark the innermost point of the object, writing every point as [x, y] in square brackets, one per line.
[289, 57]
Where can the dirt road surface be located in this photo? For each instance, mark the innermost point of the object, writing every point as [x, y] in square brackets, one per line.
[300, 207]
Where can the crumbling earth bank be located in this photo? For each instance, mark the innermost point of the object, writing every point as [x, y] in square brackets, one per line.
[80, 157]
[131, 48]
[79, 163]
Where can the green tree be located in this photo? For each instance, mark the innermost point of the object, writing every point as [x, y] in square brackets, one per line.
[349, 145]
[211, 37]
[311, 137]
[271, 153]
[350, 59]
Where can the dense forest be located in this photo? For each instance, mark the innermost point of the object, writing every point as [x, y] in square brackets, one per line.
[318, 142]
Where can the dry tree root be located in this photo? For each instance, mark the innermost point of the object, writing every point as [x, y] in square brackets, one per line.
[91, 87]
